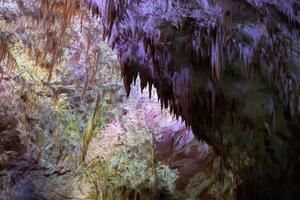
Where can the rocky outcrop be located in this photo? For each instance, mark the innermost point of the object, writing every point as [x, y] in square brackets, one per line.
[230, 69]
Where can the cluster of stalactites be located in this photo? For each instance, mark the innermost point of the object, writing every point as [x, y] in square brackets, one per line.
[51, 18]
[187, 61]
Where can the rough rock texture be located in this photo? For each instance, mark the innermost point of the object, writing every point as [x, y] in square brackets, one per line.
[11, 146]
[174, 145]
[230, 69]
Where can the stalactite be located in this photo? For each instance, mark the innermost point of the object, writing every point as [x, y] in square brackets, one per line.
[210, 65]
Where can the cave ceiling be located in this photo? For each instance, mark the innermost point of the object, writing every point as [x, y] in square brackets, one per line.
[211, 61]
[229, 68]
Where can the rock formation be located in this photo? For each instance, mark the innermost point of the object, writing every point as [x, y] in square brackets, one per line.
[185, 168]
[230, 69]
